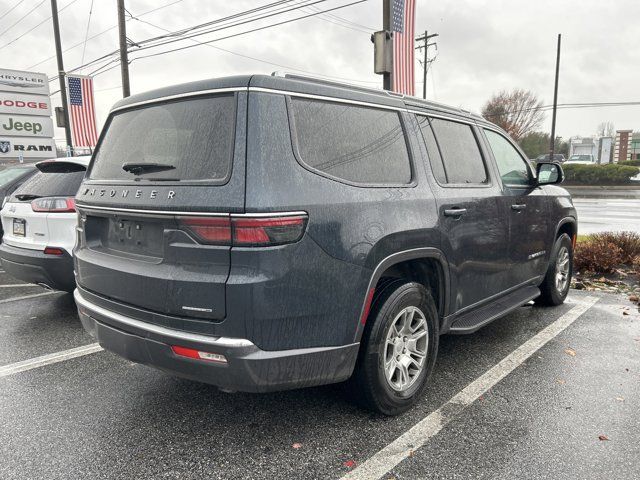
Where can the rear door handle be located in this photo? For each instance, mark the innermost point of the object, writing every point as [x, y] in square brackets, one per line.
[455, 212]
[518, 206]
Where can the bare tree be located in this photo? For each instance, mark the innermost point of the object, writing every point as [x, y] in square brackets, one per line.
[606, 129]
[518, 112]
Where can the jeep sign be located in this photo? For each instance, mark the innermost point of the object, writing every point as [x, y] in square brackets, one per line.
[26, 126]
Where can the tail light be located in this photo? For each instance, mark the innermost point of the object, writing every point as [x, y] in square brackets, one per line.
[54, 205]
[244, 231]
[53, 251]
[198, 355]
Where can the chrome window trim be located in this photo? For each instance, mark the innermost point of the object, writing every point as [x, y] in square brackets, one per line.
[197, 214]
[180, 95]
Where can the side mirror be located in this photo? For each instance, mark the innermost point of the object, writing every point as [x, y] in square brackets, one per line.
[549, 173]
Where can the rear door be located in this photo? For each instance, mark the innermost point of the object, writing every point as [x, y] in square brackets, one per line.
[27, 224]
[474, 233]
[525, 206]
[162, 178]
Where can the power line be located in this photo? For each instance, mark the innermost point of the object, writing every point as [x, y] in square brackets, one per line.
[36, 26]
[11, 9]
[247, 31]
[86, 34]
[102, 33]
[545, 108]
[259, 59]
[236, 24]
[21, 18]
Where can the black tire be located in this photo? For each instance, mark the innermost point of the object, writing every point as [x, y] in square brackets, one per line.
[551, 294]
[369, 385]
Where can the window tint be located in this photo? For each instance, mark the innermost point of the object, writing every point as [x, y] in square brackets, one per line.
[432, 149]
[52, 184]
[195, 136]
[460, 152]
[357, 144]
[512, 167]
[10, 174]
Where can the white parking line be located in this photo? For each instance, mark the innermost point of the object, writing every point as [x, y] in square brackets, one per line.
[37, 362]
[14, 285]
[25, 297]
[402, 447]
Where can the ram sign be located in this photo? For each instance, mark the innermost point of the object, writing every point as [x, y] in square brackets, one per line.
[26, 129]
[27, 147]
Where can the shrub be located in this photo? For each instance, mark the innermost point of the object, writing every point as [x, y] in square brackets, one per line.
[628, 242]
[611, 174]
[596, 256]
[630, 163]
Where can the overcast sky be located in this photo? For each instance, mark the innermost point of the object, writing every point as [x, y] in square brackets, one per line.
[484, 46]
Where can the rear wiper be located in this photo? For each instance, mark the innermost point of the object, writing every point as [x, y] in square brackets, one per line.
[140, 168]
[27, 196]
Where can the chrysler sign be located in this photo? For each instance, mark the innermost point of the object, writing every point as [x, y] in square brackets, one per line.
[17, 81]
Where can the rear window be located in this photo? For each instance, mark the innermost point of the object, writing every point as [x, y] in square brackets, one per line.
[10, 174]
[52, 184]
[358, 144]
[194, 136]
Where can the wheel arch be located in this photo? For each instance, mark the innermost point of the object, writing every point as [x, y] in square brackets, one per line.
[425, 265]
[567, 225]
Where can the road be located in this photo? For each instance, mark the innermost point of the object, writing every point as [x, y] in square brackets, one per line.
[605, 215]
[555, 392]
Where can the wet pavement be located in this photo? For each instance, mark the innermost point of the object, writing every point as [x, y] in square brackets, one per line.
[99, 416]
[607, 215]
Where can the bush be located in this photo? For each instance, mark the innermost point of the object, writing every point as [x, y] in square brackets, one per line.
[630, 163]
[628, 242]
[596, 256]
[611, 174]
[604, 252]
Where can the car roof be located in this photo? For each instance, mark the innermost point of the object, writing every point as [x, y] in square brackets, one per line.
[298, 84]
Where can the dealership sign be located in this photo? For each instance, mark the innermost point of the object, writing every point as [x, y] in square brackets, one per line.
[26, 125]
[27, 147]
[24, 82]
[24, 104]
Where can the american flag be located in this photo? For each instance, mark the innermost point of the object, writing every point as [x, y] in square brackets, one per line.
[82, 111]
[402, 26]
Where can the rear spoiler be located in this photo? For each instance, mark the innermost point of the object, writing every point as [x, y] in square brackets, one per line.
[59, 166]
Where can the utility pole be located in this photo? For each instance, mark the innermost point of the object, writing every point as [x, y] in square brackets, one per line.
[552, 147]
[61, 74]
[124, 61]
[426, 61]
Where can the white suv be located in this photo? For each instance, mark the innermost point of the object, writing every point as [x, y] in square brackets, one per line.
[39, 222]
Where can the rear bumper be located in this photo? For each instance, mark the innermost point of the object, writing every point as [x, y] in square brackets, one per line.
[248, 368]
[33, 266]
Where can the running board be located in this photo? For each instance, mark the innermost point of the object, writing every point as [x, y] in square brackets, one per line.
[475, 319]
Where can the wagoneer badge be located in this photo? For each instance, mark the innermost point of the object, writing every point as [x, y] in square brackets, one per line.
[103, 192]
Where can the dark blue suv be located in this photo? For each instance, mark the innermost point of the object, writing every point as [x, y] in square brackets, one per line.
[262, 233]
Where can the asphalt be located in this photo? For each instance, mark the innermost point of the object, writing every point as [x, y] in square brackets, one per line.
[99, 416]
[607, 215]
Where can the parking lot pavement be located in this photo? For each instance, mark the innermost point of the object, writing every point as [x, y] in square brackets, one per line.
[99, 416]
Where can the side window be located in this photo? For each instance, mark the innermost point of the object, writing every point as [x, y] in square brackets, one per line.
[512, 167]
[460, 152]
[432, 149]
[357, 144]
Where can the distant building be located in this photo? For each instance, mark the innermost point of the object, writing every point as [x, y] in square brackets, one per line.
[634, 151]
[623, 148]
[598, 147]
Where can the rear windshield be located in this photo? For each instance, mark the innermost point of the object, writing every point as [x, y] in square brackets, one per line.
[51, 185]
[195, 137]
[10, 174]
